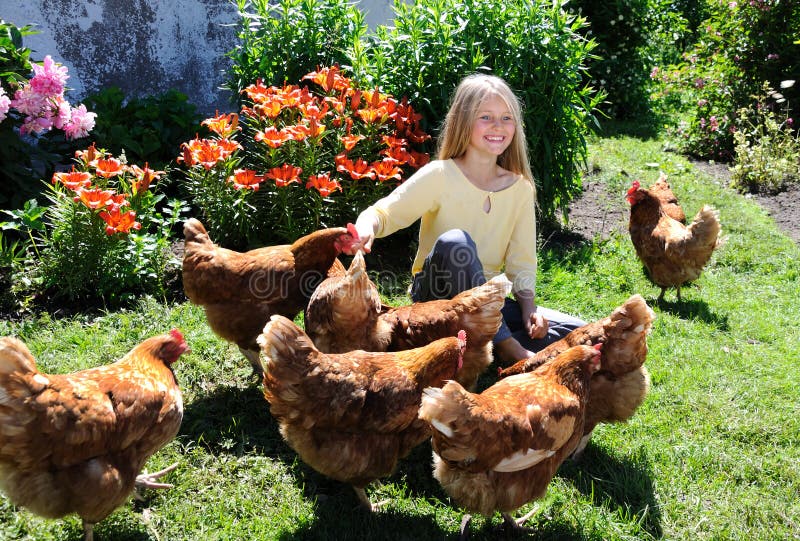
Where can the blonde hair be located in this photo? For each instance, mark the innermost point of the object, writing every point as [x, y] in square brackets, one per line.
[470, 94]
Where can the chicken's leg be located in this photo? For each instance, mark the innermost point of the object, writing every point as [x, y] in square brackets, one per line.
[252, 356]
[88, 531]
[465, 520]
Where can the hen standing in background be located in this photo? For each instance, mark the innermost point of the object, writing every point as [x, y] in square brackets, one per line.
[673, 253]
[75, 443]
[498, 450]
[351, 416]
[346, 313]
[616, 391]
[240, 291]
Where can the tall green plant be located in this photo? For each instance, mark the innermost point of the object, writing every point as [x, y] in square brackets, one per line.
[279, 42]
[535, 46]
[740, 46]
[105, 239]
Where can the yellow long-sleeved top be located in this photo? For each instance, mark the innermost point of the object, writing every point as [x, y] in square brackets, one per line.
[445, 199]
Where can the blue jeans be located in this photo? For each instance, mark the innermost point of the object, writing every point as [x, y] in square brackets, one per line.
[453, 266]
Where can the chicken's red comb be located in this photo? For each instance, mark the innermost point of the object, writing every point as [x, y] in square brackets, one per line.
[177, 335]
[598, 346]
[351, 228]
[635, 186]
[462, 335]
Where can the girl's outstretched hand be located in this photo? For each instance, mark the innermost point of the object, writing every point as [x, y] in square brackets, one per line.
[365, 229]
[537, 326]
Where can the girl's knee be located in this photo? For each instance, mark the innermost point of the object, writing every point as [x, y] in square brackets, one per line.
[454, 240]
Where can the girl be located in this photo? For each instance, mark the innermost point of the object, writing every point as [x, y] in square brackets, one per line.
[477, 204]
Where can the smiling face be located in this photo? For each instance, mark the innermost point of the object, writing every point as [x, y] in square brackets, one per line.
[493, 127]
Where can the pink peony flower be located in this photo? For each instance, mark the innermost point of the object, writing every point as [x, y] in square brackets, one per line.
[49, 79]
[63, 113]
[80, 123]
[5, 104]
[28, 102]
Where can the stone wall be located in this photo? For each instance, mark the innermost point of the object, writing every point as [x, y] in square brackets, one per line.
[144, 47]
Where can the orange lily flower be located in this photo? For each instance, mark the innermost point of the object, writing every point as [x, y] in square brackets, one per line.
[257, 91]
[87, 156]
[144, 177]
[119, 222]
[273, 136]
[284, 175]
[386, 170]
[372, 115]
[298, 132]
[361, 169]
[117, 201]
[246, 179]
[392, 141]
[418, 159]
[228, 147]
[74, 180]
[329, 78]
[312, 111]
[109, 167]
[95, 199]
[399, 154]
[223, 125]
[350, 141]
[323, 184]
[206, 152]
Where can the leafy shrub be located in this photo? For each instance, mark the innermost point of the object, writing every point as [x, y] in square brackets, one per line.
[149, 129]
[30, 106]
[631, 36]
[767, 148]
[104, 237]
[535, 47]
[280, 41]
[740, 46]
[307, 157]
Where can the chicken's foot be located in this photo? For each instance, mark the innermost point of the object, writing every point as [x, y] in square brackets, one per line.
[509, 523]
[148, 480]
[369, 506]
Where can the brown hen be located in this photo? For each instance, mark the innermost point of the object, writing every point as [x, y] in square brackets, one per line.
[351, 416]
[240, 291]
[498, 450]
[75, 443]
[673, 253]
[346, 313]
[616, 391]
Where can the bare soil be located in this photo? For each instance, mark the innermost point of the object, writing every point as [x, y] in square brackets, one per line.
[598, 212]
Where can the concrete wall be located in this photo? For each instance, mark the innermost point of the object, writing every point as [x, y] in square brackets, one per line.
[144, 47]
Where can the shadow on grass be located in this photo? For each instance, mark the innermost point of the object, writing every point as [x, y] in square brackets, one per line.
[692, 309]
[343, 520]
[234, 420]
[623, 486]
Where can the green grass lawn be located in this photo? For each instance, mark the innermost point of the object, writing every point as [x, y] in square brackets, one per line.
[713, 453]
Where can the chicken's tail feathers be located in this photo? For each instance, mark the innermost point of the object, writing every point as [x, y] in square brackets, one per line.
[706, 225]
[480, 308]
[625, 335]
[15, 357]
[283, 341]
[437, 409]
